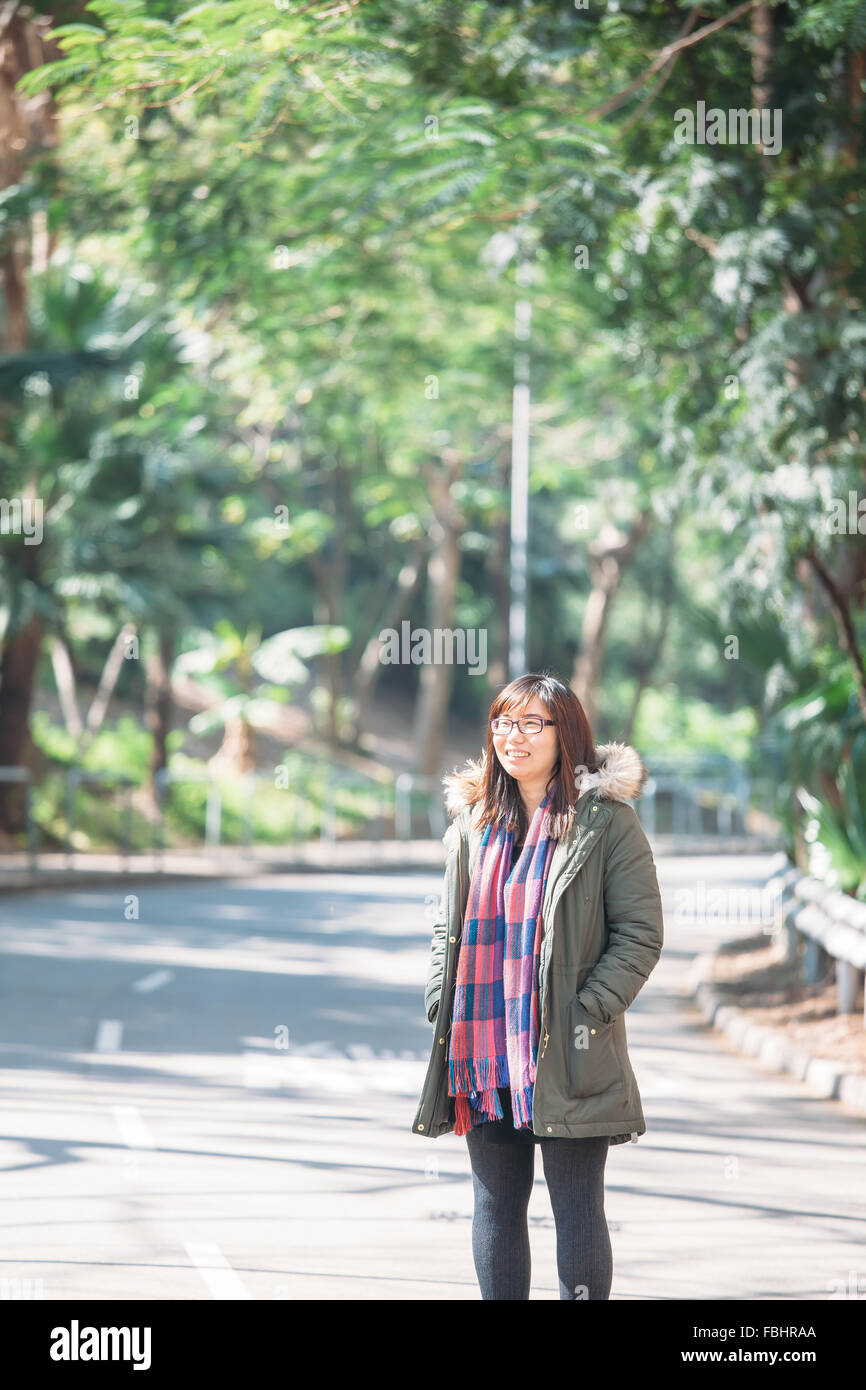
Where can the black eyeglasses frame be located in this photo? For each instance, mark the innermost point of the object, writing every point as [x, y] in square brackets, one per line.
[511, 723]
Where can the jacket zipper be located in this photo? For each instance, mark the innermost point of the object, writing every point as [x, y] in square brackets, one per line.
[546, 1037]
[546, 1034]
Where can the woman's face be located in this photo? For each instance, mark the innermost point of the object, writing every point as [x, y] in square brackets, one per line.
[529, 758]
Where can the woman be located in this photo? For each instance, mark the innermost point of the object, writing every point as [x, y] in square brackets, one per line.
[550, 923]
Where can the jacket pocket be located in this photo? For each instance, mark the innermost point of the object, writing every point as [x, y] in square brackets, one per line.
[592, 1062]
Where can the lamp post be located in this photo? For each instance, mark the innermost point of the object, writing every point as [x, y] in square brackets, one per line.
[519, 474]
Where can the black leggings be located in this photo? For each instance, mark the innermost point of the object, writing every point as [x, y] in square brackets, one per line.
[502, 1177]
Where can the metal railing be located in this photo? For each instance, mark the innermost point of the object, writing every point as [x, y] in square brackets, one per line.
[696, 799]
[408, 788]
[724, 801]
[387, 802]
[77, 776]
[23, 776]
[706, 795]
[250, 781]
[824, 929]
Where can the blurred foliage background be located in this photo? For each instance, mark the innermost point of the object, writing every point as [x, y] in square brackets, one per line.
[260, 266]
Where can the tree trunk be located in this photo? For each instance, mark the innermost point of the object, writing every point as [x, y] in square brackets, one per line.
[158, 704]
[608, 557]
[330, 569]
[107, 681]
[840, 607]
[370, 668]
[13, 263]
[238, 751]
[762, 55]
[443, 571]
[648, 667]
[64, 679]
[27, 127]
[18, 665]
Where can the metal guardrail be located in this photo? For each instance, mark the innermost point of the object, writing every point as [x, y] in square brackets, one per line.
[164, 780]
[725, 797]
[23, 775]
[707, 794]
[411, 785]
[74, 779]
[720, 793]
[719, 788]
[823, 927]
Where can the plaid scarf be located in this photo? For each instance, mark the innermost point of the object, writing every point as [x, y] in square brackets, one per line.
[494, 1034]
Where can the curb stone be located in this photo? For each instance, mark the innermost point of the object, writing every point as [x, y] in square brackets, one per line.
[823, 1077]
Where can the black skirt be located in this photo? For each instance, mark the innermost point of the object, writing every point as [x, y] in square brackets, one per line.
[503, 1131]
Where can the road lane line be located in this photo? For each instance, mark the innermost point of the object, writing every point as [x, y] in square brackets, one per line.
[108, 1035]
[134, 1129]
[215, 1270]
[156, 980]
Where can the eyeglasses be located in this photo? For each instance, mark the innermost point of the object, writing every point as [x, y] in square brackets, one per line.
[529, 724]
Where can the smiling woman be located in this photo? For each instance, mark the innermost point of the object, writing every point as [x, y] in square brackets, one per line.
[533, 722]
[527, 750]
[550, 924]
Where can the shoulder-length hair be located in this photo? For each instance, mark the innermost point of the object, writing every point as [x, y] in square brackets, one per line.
[500, 799]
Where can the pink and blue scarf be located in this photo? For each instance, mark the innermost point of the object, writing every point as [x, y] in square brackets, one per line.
[495, 1025]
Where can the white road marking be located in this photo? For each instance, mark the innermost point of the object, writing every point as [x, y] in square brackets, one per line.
[156, 980]
[108, 1035]
[215, 1270]
[134, 1130]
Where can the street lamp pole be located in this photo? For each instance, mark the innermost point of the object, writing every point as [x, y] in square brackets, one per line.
[519, 475]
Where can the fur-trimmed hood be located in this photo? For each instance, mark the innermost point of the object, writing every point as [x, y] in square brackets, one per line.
[620, 777]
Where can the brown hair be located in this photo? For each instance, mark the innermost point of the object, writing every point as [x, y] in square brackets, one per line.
[501, 797]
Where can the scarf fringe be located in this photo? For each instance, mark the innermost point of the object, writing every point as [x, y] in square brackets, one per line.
[521, 1106]
[469, 1111]
[468, 1116]
[483, 1074]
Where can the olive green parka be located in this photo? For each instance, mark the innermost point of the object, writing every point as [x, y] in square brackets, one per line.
[602, 934]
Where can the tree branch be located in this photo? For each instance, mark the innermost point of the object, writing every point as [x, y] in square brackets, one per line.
[842, 614]
[685, 39]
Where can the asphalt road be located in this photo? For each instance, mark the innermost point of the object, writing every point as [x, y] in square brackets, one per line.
[208, 1092]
